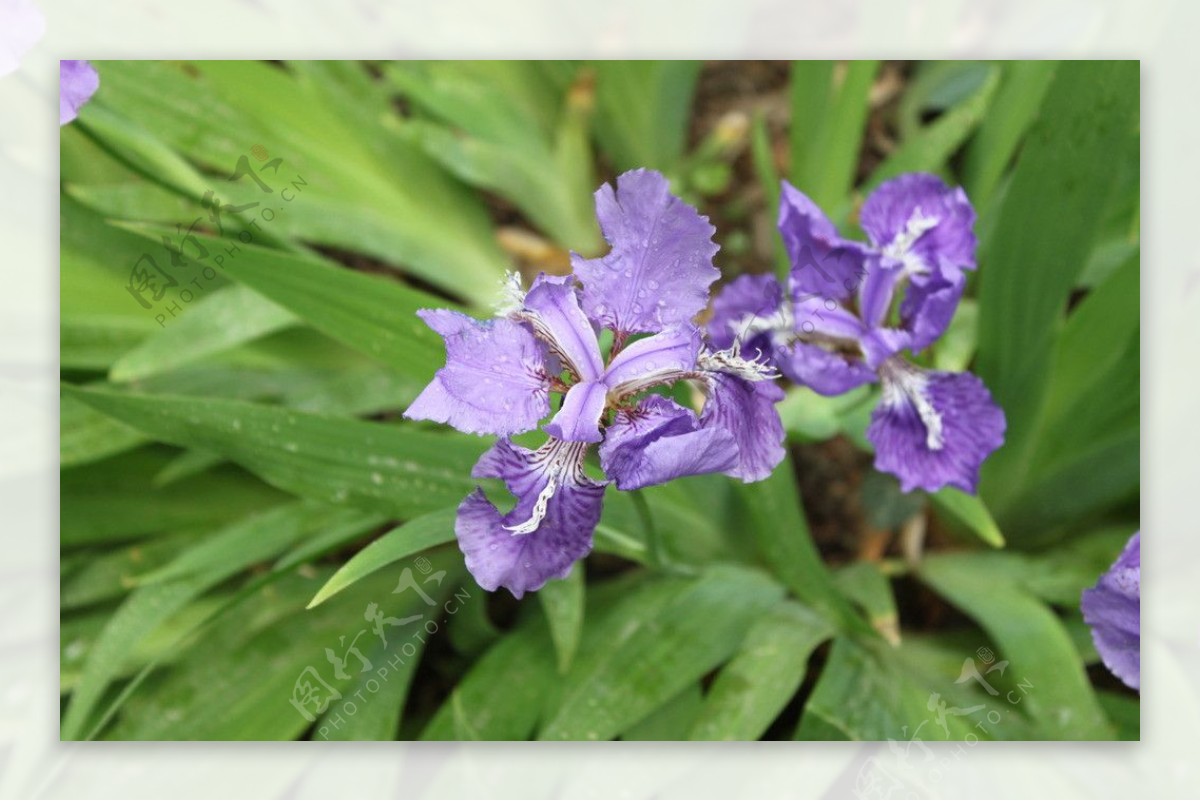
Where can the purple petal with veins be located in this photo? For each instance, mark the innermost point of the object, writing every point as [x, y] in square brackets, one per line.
[933, 429]
[547, 531]
[660, 266]
[494, 381]
[823, 264]
[663, 358]
[825, 319]
[579, 418]
[928, 307]
[552, 311]
[746, 410]
[1113, 610]
[746, 310]
[659, 441]
[920, 221]
[876, 293]
[824, 371]
[881, 344]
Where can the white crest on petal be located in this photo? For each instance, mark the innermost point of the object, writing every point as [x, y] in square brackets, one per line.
[539, 510]
[900, 247]
[780, 324]
[562, 463]
[904, 383]
[732, 362]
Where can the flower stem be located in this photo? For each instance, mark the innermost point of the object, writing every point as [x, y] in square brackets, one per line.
[656, 546]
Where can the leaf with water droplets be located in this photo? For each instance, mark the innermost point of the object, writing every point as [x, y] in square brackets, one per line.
[315, 456]
[638, 657]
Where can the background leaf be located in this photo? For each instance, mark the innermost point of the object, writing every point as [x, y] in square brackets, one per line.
[1031, 637]
[1044, 232]
[563, 603]
[658, 655]
[829, 109]
[401, 542]
[393, 470]
[752, 689]
[642, 111]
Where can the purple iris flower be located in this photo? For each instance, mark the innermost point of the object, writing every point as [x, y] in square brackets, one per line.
[500, 375]
[78, 81]
[1113, 610]
[834, 327]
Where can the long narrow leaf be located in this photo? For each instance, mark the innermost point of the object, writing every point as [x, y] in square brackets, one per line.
[751, 691]
[394, 470]
[1046, 229]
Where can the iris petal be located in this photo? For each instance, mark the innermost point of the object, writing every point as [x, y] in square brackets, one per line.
[1113, 610]
[579, 418]
[933, 429]
[824, 371]
[823, 264]
[660, 441]
[494, 380]
[662, 358]
[78, 81]
[746, 410]
[745, 311]
[552, 311]
[547, 531]
[920, 215]
[660, 266]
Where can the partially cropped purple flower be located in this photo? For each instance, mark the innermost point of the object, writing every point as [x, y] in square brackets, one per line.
[501, 374]
[21, 25]
[848, 311]
[78, 81]
[1113, 610]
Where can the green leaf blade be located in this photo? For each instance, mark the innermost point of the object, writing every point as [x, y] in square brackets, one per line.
[751, 691]
[394, 470]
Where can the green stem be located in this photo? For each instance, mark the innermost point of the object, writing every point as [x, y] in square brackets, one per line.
[656, 546]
